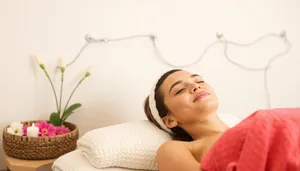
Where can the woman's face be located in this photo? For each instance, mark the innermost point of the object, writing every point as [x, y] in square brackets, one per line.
[188, 97]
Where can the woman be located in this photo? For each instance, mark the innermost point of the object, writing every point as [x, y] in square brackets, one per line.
[184, 105]
[187, 108]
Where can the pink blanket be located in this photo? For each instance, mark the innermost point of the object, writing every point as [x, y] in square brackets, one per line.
[267, 140]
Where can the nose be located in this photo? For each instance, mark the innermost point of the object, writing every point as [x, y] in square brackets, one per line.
[195, 87]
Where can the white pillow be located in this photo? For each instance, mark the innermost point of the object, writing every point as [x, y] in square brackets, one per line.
[129, 145]
[74, 161]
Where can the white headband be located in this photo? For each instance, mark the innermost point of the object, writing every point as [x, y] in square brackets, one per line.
[154, 111]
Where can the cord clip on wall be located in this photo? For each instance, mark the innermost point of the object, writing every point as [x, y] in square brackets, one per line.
[89, 38]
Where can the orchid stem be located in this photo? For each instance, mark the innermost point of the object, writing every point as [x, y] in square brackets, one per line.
[52, 88]
[61, 90]
[71, 95]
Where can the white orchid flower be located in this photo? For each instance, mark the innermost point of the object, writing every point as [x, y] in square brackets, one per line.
[89, 71]
[61, 63]
[38, 59]
[15, 128]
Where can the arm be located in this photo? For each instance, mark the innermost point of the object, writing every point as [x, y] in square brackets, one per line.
[175, 156]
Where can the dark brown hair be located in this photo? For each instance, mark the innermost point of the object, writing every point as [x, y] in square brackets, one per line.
[179, 133]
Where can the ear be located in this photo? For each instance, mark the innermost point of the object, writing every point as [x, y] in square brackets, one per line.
[170, 121]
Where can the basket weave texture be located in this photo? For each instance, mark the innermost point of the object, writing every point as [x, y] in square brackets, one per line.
[40, 148]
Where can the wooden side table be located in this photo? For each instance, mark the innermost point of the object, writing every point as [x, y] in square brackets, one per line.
[14, 164]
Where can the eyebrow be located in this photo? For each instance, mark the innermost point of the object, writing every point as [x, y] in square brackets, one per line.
[179, 82]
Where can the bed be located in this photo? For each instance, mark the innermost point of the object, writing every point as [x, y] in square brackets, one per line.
[121, 147]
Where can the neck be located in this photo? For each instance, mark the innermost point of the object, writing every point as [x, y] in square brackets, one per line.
[204, 128]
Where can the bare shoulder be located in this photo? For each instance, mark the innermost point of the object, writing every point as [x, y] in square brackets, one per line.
[176, 156]
[173, 143]
[169, 148]
[174, 146]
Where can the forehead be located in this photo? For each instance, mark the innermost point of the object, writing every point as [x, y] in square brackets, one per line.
[174, 77]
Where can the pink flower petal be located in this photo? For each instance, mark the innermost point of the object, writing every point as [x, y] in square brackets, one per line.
[46, 129]
[24, 130]
[62, 130]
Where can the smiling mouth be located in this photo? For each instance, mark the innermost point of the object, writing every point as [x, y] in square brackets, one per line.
[201, 95]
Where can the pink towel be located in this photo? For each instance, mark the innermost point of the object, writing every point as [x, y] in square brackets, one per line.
[267, 140]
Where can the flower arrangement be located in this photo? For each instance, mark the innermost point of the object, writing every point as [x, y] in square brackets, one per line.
[58, 117]
[40, 139]
[41, 128]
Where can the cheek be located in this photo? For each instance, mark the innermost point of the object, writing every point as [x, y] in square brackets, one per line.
[179, 104]
[210, 89]
[182, 100]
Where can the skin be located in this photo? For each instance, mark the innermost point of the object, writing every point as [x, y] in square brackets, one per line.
[198, 118]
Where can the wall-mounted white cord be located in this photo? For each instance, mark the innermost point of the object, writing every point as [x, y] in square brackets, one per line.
[220, 39]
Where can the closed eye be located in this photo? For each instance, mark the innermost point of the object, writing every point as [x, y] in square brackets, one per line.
[181, 90]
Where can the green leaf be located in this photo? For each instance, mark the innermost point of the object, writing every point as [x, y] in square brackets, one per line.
[54, 119]
[69, 111]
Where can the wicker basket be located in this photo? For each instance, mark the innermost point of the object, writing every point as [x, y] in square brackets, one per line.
[40, 148]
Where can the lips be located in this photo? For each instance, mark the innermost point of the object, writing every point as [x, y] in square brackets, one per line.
[200, 95]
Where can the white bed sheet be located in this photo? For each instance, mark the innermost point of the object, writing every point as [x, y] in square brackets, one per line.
[74, 161]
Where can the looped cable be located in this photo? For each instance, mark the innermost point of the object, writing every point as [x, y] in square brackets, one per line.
[220, 39]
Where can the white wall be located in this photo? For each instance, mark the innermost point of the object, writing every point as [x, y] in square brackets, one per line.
[125, 71]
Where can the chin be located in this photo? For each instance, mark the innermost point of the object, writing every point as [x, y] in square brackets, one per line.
[208, 105]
